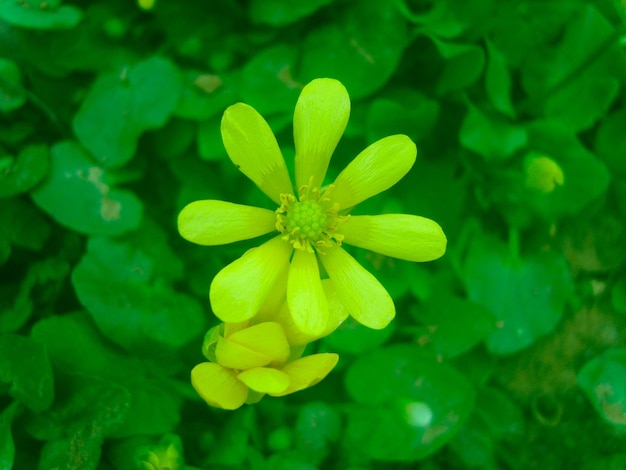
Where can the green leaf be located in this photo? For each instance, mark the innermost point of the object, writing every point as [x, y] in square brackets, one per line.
[618, 296]
[495, 418]
[610, 145]
[45, 279]
[12, 93]
[210, 146]
[452, 326]
[204, 96]
[282, 12]
[498, 81]
[490, 136]
[463, 65]
[527, 296]
[353, 338]
[120, 107]
[140, 452]
[350, 48]
[267, 83]
[76, 347]
[7, 445]
[130, 300]
[25, 366]
[405, 111]
[411, 404]
[603, 379]
[22, 173]
[39, 15]
[318, 424]
[77, 195]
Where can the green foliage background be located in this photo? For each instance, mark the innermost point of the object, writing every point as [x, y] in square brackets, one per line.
[508, 353]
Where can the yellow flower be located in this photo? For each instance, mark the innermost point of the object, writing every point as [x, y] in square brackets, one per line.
[311, 222]
[248, 362]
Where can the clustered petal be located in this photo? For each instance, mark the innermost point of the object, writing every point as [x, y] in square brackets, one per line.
[301, 284]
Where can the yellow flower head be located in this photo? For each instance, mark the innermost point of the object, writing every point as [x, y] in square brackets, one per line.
[248, 362]
[311, 222]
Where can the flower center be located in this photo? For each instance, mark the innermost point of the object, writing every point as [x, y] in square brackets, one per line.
[309, 221]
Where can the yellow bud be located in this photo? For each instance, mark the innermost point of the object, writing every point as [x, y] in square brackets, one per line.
[146, 4]
[542, 173]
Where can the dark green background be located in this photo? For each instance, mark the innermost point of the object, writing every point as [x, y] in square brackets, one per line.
[507, 353]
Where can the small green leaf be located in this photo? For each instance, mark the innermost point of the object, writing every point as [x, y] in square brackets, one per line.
[403, 112]
[463, 64]
[39, 15]
[452, 326]
[350, 48]
[603, 379]
[498, 81]
[267, 83]
[24, 172]
[130, 300]
[490, 136]
[77, 195]
[282, 12]
[12, 93]
[25, 366]
[411, 404]
[353, 338]
[204, 96]
[526, 296]
[121, 107]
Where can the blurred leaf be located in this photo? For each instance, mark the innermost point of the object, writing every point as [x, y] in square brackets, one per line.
[463, 65]
[76, 347]
[37, 15]
[350, 49]
[610, 145]
[498, 81]
[282, 12]
[495, 419]
[12, 93]
[448, 19]
[7, 445]
[411, 404]
[452, 326]
[318, 424]
[148, 452]
[204, 96]
[585, 177]
[267, 83]
[233, 442]
[25, 366]
[77, 195]
[92, 412]
[618, 295]
[404, 111]
[527, 296]
[491, 137]
[353, 338]
[603, 379]
[130, 300]
[36, 288]
[122, 106]
[210, 146]
[22, 173]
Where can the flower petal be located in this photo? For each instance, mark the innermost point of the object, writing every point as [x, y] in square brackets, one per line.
[265, 380]
[252, 147]
[321, 115]
[403, 236]
[375, 169]
[218, 386]
[239, 290]
[266, 338]
[307, 371]
[213, 222]
[305, 295]
[363, 296]
[236, 356]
